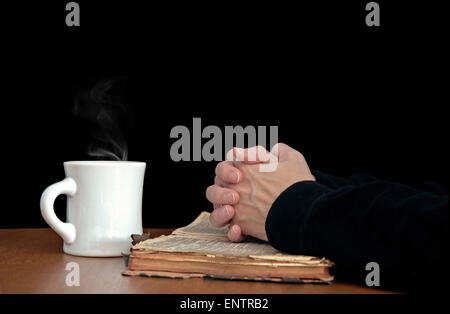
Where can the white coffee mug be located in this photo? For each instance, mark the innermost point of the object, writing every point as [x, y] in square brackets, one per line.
[104, 206]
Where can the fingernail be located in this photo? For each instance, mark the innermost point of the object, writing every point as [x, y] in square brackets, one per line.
[234, 177]
[238, 154]
[229, 198]
[235, 232]
[227, 212]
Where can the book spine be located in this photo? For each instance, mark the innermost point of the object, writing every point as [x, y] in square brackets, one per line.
[229, 270]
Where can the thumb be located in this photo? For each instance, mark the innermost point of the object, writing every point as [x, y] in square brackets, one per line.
[252, 155]
[281, 151]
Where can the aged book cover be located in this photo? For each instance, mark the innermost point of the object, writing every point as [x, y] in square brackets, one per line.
[201, 250]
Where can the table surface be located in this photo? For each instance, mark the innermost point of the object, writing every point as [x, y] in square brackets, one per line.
[32, 261]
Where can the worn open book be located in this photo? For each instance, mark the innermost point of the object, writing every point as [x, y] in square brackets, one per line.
[201, 250]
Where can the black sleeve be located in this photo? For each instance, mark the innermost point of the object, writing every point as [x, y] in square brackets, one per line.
[404, 230]
[335, 182]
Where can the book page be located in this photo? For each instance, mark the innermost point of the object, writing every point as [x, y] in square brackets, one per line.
[180, 243]
[201, 237]
[202, 227]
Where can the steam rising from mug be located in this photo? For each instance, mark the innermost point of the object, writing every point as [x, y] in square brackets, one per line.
[108, 115]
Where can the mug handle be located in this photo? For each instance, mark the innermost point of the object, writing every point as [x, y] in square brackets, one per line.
[65, 230]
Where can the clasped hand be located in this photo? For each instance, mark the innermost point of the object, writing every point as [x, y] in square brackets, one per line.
[247, 184]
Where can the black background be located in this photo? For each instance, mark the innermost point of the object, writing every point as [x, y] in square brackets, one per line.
[349, 97]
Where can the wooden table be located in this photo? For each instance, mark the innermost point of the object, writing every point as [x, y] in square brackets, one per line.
[32, 261]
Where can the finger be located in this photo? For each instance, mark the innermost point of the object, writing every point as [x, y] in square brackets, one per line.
[220, 182]
[227, 172]
[221, 216]
[252, 155]
[219, 195]
[235, 234]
